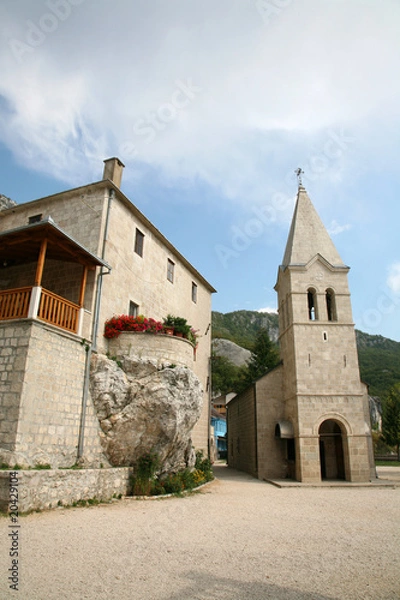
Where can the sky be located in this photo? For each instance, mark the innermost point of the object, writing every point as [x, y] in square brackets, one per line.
[212, 105]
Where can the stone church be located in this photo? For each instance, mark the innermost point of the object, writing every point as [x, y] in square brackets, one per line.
[307, 419]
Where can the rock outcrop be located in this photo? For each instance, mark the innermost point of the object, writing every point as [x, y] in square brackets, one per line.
[6, 202]
[143, 406]
[234, 353]
[375, 410]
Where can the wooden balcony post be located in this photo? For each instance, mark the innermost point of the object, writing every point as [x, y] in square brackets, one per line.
[40, 263]
[82, 300]
[83, 286]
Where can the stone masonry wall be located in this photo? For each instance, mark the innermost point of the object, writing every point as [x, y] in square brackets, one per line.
[242, 434]
[14, 340]
[48, 488]
[48, 392]
[272, 463]
[159, 347]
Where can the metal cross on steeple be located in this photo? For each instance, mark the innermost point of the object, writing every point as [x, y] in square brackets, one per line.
[299, 172]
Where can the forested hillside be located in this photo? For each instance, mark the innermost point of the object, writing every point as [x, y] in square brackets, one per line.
[379, 357]
[242, 326]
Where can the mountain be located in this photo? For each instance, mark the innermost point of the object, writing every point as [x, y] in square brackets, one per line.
[6, 202]
[379, 357]
[242, 326]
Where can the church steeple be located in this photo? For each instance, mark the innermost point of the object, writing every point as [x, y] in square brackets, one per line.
[308, 236]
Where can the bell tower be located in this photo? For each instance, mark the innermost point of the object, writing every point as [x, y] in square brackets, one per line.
[323, 396]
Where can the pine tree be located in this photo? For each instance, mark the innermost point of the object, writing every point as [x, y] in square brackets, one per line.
[264, 356]
[391, 418]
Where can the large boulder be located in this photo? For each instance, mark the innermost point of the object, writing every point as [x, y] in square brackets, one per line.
[143, 406]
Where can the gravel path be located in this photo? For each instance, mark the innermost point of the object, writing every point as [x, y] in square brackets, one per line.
[237, 539]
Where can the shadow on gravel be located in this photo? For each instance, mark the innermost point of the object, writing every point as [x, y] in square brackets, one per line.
[225, 473]
[203, 586]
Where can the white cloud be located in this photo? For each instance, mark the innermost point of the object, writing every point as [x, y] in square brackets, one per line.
[271, 93]
[267, 309]
[334, 228]
[393, 280]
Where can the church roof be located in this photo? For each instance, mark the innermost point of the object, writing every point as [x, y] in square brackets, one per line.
[308, 236]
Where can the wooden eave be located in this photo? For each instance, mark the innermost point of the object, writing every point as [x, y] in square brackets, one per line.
[22, 245]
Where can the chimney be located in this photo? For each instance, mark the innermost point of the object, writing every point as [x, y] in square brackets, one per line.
[113, 170]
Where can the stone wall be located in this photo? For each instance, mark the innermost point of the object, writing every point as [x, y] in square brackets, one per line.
[48, 488]
[42, 389]
[272, 460]
[242, 432]
[14, 341]
[156, 347]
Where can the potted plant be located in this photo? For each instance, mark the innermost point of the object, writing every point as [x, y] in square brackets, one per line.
[181, 327]
[168, 323]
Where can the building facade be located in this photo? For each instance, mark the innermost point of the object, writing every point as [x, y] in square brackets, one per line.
[71, 261]
[308, 419]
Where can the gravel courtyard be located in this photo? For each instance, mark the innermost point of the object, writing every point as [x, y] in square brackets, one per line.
[237, 539]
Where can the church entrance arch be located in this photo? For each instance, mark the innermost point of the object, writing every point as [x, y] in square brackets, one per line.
[331, 451]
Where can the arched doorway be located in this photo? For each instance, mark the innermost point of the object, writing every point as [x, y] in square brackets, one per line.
[331, 450]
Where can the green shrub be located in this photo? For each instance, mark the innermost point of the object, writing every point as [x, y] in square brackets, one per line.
[204, 466]
[143, 480]
[145, 483]
[173, 484]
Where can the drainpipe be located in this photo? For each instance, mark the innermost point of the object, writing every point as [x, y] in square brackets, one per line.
[92, 347]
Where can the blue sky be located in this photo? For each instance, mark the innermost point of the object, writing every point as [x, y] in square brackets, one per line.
[212, 105]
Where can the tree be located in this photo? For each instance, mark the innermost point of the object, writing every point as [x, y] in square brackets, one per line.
[391, 418]
[224, 375]
[264, 357]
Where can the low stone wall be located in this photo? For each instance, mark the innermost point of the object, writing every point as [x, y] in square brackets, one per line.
[48, 488]
[159, 347]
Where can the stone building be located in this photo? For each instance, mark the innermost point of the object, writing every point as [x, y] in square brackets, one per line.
[69, 262]
[307, 419]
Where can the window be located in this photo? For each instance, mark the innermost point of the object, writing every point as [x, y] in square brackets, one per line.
[194, 292]
[34, 219]
[170, 271]
[139, 240]
[330, 305]
[133, 309]
[312, 304]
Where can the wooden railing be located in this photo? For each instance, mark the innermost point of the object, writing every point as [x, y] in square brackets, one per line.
[58, 311]
[14, 304]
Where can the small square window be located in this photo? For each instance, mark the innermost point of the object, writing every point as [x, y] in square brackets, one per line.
[133, 309]
[194, 292]
[139, 241]
[170, 271]
[35, 219]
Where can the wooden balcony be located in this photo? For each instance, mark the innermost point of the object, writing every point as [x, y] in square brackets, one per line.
[16, 304]
[58, 311]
